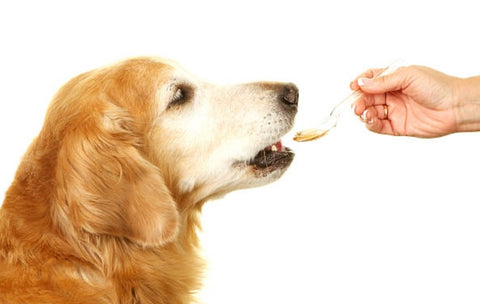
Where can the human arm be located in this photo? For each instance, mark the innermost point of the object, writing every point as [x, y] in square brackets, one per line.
[420, 102]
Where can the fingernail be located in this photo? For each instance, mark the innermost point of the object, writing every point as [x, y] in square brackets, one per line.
[363, 81]
[364, 115]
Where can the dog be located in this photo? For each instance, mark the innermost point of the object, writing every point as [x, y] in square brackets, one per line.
[105, 204]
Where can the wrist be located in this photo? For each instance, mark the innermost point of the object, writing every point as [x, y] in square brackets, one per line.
[467, 104]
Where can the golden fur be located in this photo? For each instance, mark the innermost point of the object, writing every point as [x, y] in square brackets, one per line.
[104, 205]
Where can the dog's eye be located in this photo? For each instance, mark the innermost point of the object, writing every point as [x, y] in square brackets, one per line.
[180, 96]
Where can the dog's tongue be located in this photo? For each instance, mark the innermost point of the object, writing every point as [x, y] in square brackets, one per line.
[275, 147]
[279, 146]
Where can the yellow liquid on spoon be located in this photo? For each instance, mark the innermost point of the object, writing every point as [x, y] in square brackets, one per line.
[309, 134]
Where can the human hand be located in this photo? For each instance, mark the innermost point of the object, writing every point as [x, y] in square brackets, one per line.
[418, 101]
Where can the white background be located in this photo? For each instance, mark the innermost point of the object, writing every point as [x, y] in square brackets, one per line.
[359, 217]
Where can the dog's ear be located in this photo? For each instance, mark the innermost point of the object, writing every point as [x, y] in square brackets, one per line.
[108, 185]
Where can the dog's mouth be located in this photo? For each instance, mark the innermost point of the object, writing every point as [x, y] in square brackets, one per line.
[271, 158]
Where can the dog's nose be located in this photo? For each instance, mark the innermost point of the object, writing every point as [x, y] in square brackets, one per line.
[290, 95]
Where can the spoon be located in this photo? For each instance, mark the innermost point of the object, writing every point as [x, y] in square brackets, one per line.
[331, 120]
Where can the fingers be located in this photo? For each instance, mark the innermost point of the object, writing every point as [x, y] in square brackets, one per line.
[396, 81]
[376, 119]
[367, 101]
[373, 107]
[367, 74]
[380, 126]
[375, 112]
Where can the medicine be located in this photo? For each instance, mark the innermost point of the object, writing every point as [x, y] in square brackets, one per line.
[309, 134]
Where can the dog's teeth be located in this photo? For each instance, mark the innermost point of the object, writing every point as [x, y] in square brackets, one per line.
[274, 148]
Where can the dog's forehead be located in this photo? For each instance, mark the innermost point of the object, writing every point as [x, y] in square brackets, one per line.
[175, 69]
[178, 75]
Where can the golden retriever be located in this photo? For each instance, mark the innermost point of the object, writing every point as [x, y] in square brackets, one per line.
[104, 206]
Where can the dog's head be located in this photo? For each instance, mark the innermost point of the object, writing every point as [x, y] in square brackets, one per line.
[222, 138]
[142, 139]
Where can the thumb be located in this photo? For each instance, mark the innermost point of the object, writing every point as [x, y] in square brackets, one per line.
[383, 84]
